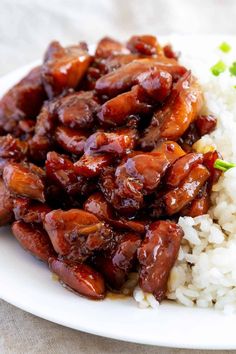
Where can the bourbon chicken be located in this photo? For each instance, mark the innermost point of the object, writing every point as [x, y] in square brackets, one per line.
[97, 162]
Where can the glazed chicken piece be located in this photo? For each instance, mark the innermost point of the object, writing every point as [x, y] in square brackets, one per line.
[186, 191]
[117, 143]
[128, 202]
[79, 277]
[155, 86]
[29, 211]
[27, 127]
[157, 255]
[46, 119]
[64, 68]
[117, 262]
[33, 239]
[145, 45]
[102, 66]
[98, 205]
[114, 62]
[101, 148]
[6, 205]
[109, 55]
[124, 78]
[24, 180]
[60, 170]
[116, 111]
[108, 46]
[22, 101]
[170, 149]
[208, 161]
[146, 168]
[137, 176]
[42, 141]
[92, 166]
[39, 146]
[181, 168]
[76, 233]
[71, 140]
[77, 110]
[184, 180]
[170, 53]
[189, 137]
[200, 205]
[203, 124]
[179, 111]
[12, 150]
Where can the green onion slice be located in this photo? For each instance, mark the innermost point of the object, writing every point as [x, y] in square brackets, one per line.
[232, 69]
[218, 68]
[225, 47]
[223, 165]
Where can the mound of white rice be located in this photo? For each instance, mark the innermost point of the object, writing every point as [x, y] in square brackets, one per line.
[205, 272]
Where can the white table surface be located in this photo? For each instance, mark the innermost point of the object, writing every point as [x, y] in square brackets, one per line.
[26, 27]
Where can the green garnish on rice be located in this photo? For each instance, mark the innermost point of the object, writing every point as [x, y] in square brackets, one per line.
[223, 165]
[232, 69]
[225, 47]
[218, 68]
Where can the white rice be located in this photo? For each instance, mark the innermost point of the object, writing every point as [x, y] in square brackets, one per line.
[205, 272]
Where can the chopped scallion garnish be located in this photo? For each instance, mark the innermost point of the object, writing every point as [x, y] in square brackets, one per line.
[223, 165]
[225, 47]
[232, 69]
[218, 68]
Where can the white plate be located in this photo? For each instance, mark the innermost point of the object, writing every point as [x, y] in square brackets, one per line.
[27, 284]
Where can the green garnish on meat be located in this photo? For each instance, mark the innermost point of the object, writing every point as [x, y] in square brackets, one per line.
[223, 165]
[218, 68]
[225, 47]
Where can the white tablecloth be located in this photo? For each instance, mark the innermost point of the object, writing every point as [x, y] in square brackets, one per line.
[26, 27]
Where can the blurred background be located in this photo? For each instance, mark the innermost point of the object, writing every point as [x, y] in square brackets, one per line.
[26, 26]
